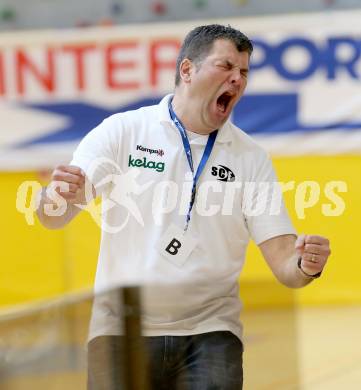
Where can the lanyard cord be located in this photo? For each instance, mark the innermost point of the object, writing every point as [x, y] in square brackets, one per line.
[187, 148]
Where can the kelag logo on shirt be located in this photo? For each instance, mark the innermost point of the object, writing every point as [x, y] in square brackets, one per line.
[144, 163]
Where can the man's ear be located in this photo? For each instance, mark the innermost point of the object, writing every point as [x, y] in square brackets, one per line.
[185, 70]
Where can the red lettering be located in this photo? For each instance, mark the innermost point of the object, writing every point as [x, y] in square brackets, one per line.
[24, 64]
[113, 65]
[157, 64]
[2, 75]
[79, 53]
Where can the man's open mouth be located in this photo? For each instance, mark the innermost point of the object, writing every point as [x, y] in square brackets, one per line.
[224, 100]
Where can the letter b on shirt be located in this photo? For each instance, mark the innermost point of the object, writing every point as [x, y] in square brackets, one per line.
[173, 247]
[176, 245]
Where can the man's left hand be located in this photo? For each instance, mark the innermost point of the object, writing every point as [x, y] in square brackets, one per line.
[314, 251]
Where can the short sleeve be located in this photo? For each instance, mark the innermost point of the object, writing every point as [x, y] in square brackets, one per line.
[97, 153]
[263, 205]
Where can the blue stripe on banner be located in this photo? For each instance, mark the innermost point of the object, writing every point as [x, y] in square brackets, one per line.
[82, 117]
[267, 113]
[255, 114]
[277, 113]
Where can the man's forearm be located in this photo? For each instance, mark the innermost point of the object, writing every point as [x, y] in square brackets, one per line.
[282, 254]
[292, 276]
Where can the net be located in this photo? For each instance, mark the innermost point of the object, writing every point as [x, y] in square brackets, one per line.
[46, 346]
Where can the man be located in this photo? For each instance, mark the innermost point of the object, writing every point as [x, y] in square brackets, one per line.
[194, 336]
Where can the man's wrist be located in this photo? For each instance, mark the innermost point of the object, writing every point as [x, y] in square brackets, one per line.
[315, 276]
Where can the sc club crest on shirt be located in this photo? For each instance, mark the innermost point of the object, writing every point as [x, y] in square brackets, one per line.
[223, 173]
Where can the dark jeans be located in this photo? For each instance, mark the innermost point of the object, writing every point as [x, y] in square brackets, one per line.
[208, 361]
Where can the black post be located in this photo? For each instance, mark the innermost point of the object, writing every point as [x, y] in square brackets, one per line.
[136, 362]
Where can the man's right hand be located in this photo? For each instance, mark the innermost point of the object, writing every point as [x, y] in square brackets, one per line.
[69, 182]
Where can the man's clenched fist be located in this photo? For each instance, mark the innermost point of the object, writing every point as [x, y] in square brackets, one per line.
[69, 182]
[314, 251]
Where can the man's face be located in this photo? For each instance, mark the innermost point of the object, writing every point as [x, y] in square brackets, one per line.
[217, 83]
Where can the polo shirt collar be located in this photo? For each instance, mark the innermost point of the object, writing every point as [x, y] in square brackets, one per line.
[224, 133]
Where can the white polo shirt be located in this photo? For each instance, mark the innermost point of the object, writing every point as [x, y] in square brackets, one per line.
[146, 186]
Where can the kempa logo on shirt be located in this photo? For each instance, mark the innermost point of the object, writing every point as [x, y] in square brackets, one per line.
[223, 173]
[158, 152]
[144, 163]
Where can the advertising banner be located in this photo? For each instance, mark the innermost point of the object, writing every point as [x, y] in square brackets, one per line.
[303, 95]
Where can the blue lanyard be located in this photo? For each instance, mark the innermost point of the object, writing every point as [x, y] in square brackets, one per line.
[187, 148]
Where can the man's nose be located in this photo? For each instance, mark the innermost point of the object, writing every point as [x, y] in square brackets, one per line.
[236, 77]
